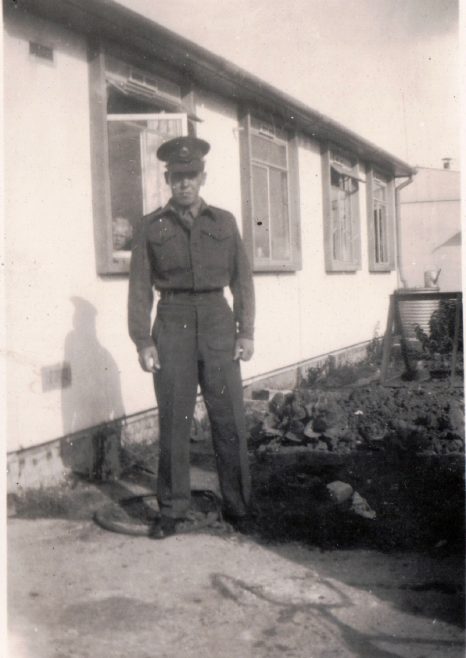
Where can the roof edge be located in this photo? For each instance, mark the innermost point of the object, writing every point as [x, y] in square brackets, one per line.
[112, 20]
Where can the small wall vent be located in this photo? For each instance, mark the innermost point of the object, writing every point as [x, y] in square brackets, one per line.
[41, 51]
[56, 376]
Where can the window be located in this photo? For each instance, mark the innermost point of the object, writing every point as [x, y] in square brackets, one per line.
[341, 211]
[132, 112]
[270, 194]
[380, 219]
[136, 175]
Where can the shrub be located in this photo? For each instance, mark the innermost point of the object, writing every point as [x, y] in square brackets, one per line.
[441, 330]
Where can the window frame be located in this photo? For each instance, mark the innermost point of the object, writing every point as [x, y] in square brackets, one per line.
[100, 57]
[329, 154]
[289, 138]
[387, 179]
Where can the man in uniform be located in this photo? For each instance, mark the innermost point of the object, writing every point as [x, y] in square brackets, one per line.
[190, 251]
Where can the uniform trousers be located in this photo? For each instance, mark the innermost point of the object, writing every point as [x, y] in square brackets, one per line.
[195, 337]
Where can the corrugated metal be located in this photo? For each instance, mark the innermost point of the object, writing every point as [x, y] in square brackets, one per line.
[417, 312]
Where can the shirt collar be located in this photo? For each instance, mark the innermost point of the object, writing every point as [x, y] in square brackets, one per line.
[171, 208]
[195, 210]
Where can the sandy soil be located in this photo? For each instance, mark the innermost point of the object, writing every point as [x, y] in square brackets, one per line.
[76, 590]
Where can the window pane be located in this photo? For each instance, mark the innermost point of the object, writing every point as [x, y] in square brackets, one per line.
[137, 184]
[376, 235]
[124, 153]
[383, 237]
[155, 191]
[342, 189]
[260, 191]
[380, 233]
[380, 221]
[267, 151]
[279, 215]
[347, 221]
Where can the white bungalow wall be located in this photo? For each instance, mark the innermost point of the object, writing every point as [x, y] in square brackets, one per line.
[58, 309]
[311, 312]
[50, 252]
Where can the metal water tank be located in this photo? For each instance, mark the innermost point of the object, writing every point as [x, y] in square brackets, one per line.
[416, 311]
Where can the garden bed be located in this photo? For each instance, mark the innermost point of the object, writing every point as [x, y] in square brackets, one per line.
[399, 448]
[341, 461]
[416, 417]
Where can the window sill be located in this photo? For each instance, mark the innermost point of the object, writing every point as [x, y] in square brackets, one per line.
[377, 269]
[276, 268]
[342, 268]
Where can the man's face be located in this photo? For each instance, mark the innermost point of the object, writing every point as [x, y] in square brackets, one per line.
[185, 186]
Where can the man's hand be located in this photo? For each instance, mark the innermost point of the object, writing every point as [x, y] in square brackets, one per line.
[244, 349]
[149, 359]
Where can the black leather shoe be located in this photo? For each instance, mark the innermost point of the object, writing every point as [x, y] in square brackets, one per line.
[246, 524]
[192, 522]
[163, 527]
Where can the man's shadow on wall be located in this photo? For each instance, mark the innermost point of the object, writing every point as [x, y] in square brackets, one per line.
[93, 398]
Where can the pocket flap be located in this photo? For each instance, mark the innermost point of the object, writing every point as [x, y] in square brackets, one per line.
[218, 232]
[162, 232]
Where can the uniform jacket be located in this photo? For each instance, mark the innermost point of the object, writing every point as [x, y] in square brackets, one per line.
[168, 256]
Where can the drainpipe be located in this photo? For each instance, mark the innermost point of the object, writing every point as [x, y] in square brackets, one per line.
[398, 188]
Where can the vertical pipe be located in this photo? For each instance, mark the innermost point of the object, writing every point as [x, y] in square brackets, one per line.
[398, 188]
[456, 337]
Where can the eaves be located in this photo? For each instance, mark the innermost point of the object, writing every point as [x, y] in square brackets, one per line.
[107, 20]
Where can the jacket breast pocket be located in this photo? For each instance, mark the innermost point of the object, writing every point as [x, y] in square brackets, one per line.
[216, 245]
[168, 249]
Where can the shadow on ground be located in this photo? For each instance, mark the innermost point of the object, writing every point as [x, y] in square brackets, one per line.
[419, 506]
[333, 600]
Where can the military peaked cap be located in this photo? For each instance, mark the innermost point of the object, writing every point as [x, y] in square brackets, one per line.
[183, 154]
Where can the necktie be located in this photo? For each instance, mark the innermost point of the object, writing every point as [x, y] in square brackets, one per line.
[187, 219]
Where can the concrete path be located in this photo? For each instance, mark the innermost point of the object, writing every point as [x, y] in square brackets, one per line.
[78, 591]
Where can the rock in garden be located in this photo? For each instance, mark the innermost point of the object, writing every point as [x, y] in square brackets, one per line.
[361, 507]
[340, 491]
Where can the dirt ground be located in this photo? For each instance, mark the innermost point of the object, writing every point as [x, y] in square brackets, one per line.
[76, 590]
[315, 580]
